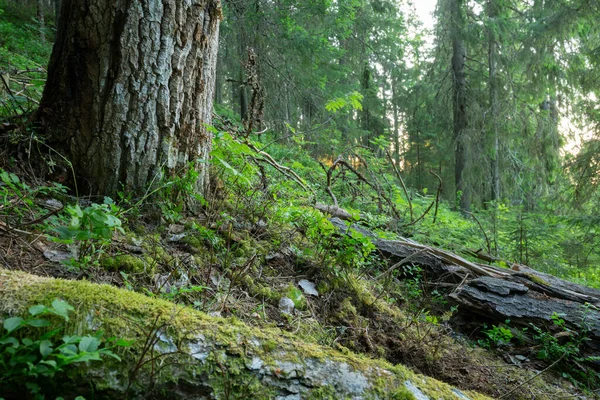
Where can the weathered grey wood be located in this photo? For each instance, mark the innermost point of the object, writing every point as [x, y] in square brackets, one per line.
[522, 294]
[503, 299]
[334, 211]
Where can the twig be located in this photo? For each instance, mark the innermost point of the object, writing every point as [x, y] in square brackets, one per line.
[437, 195]
[375, 186]
[399, 263]
[403, 185]
[487, 240]
[533, 377]
[288, 172]
[11, 93]
[43, 217]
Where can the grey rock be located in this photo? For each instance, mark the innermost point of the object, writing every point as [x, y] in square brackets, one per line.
[53, 204]
[308, 287]
[286, 305]
[177, 237]
[56, 255]
[256, 364]
[415, 391]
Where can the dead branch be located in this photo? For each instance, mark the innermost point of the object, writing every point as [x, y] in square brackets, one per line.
[487, 240]
[375, 186]
[437, 195]
[286, 171]
[389, 156]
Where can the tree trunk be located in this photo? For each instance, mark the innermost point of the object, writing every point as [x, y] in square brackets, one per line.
[40, 18]
[396, 122]
[520, 294]
[130, 89]
[492, 60]
[459, 55]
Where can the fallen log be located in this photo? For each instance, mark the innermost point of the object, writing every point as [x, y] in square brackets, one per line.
[180, 353]
[486, 292]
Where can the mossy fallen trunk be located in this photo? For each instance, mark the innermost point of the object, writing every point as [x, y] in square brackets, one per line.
[182, 353]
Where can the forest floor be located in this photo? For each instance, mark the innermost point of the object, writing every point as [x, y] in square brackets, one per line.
[227, 262]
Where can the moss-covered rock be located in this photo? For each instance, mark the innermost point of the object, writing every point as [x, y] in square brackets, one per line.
[182, 353]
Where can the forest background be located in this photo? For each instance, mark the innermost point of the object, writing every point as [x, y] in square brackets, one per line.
[479, 137]
[496, 107]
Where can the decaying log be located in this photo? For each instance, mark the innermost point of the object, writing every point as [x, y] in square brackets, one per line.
[180, 353]
[520, 294]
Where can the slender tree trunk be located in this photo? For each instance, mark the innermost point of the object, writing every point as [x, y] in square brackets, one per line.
[130, 89]
[459, 55]
[493, 84]
[242, 57]
[366, 112]
[396, 123]
[40, 18]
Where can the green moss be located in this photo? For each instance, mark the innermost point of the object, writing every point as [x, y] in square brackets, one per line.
[537, 279]
[323, 287]
[126, 263]
[269, 346]
[347, 311]
[195, 242]
[129, 315]
[402, 393]
[261, 291]
[297, 297]
[325, 393]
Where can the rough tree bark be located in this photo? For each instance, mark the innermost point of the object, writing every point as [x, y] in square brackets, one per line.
[56, 11]
[130, 89]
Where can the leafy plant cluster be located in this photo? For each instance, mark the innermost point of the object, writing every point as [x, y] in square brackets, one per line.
[21, 204]
[561, 349]
[35, 351]
[89, 232]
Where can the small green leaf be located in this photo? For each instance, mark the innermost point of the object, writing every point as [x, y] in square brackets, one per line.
[45, 348]
[10, 340]
[113, 355]
[13, 323]
[38, 309]
[124, 343]
[62, 308]
[51, 363]
[89, 344]
[87, 357]
[37, 323]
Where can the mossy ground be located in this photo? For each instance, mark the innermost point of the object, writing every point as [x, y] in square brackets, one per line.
[243, 277]
[136, 317]
[241, 270]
